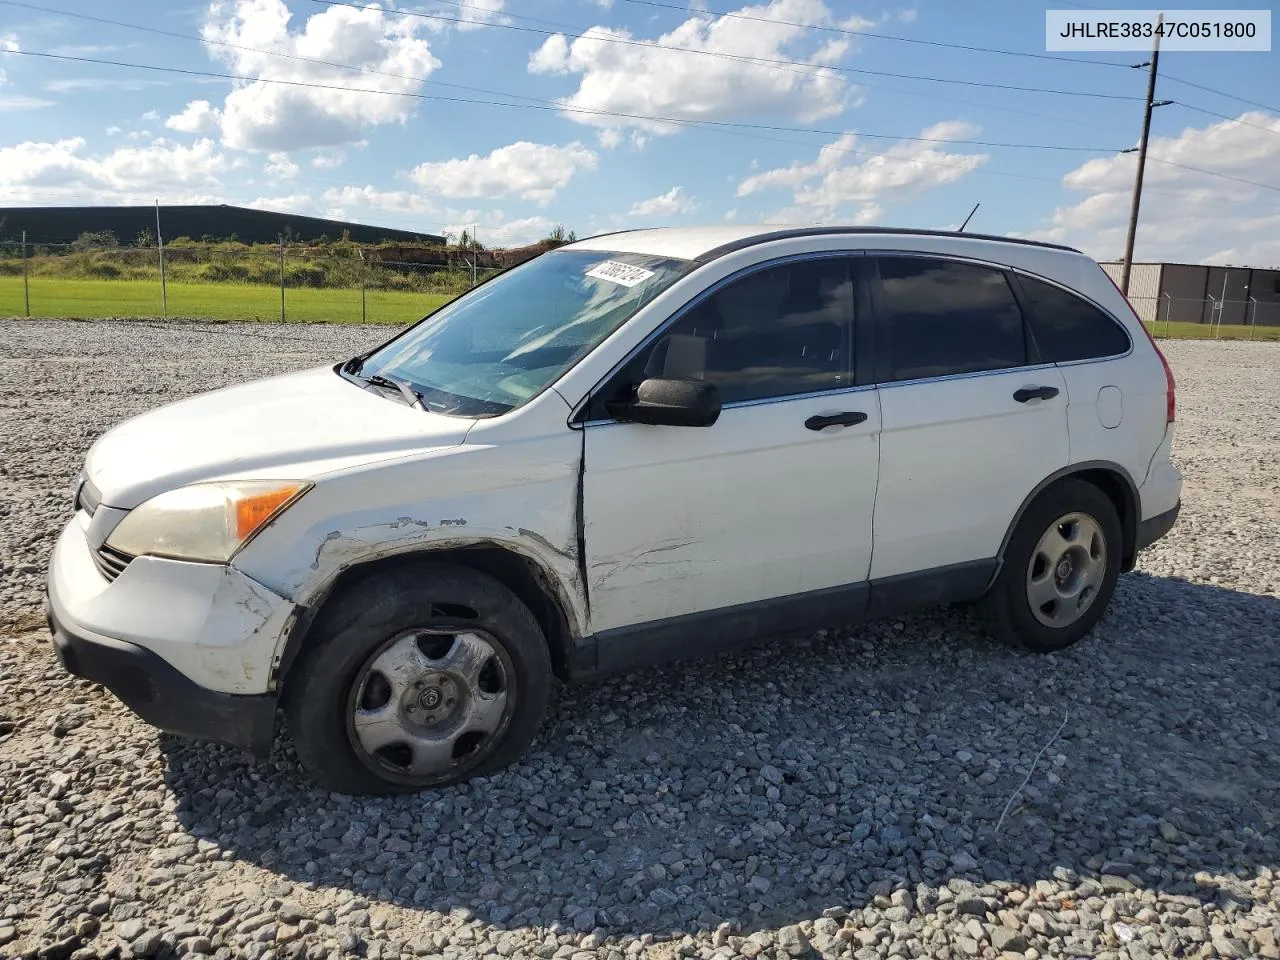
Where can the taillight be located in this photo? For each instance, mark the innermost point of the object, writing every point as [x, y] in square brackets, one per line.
[1170, 401]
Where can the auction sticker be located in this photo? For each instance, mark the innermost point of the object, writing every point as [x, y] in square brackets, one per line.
[623, 273]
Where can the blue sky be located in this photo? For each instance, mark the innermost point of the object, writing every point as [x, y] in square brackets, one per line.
[73, 132]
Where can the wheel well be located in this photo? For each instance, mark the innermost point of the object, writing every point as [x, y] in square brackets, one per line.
[522, 576]
[1117, 488]
[1122, 497]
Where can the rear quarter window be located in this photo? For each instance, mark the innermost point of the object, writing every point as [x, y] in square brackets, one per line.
[947, 318]
[1067, 327]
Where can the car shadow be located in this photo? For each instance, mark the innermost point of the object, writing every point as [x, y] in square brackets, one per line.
[766, 786]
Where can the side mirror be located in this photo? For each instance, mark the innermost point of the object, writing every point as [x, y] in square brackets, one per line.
[671, 402]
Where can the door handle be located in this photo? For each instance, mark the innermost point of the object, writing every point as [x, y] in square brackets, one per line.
[1035, 393]
[847, 418]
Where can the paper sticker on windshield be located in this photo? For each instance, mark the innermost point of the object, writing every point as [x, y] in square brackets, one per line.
[623, 273]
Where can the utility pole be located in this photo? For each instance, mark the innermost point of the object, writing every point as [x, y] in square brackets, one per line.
[1142, 156]
[164, 293]
[282, 315]
[26, 287]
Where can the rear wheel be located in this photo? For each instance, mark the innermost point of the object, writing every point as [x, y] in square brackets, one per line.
[420, 677]
[1060, 569]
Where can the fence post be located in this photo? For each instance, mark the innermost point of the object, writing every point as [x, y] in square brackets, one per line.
[282, 320]
[26, 288]
[164, 290]
[1253, 325]
[364, 280]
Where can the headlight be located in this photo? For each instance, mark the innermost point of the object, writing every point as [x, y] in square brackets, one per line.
[205, 521]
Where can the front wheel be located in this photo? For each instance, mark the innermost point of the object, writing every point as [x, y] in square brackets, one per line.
[420, 677]
[1060, 569]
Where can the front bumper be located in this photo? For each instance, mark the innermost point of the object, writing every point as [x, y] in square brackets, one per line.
[162, 696]
[189, 647]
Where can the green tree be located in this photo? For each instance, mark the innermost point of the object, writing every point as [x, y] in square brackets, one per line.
[95, 238]
[559, 235]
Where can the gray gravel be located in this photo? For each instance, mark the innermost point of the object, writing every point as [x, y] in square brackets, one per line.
[833, 795]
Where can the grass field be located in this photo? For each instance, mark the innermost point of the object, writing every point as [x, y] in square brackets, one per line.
[1202, 331]
[89, 299]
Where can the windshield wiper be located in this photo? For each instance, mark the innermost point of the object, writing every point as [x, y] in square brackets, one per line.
[411, 396]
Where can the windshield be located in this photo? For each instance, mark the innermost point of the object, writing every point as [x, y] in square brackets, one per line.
[503, 343]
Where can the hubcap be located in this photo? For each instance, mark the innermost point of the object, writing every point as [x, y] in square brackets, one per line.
[1066, 570]
[430, 701]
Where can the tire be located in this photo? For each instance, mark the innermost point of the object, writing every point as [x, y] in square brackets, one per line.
[1074, 595]
[421, 676]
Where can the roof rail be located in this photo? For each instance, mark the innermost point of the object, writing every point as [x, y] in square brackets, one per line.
[791, 232]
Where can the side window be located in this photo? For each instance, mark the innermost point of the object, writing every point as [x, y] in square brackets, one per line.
[778, 332]
[1067, 327]
[947, 318]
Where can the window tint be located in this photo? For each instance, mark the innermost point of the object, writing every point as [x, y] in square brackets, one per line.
[778, 332]
[948, 318]
[1066, 327]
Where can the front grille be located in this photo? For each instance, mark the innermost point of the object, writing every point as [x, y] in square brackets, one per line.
[110, 562]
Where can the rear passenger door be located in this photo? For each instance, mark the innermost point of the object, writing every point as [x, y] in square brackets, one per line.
[971, 420]
[1115, 401]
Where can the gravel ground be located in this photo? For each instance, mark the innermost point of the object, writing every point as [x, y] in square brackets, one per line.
[841, 794]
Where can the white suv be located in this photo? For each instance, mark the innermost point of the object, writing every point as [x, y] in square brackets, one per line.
[638, 446]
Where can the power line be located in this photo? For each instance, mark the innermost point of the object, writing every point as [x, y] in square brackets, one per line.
[721, 125]
[772, 62]
[868, 33]
[1222, 93]
[1213, 173]
[1223, 116]
[297, 58]
[498, 93]
[555, 107]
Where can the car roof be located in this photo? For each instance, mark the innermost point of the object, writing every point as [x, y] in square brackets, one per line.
[707, 243]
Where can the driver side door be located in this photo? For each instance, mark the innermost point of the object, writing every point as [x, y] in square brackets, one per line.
[760, 523]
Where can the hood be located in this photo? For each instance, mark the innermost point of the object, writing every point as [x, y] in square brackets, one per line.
[294, 426]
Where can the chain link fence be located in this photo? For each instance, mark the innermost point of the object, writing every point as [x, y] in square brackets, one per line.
[1212, 317]
[345, 282]
[289, 282]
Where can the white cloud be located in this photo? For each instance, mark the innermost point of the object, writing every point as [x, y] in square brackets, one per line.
[114, 131]
[198, 117]
[36, 172]
[609, 138]
[908, 16]
[279, 165]
[9, 43]
[290, 203]
[329, 161]
[274, 116]
[531, 171]
[95, 84]
[493, 230]
[834, 179]
[651, 81]
[668, 204]
[480, 12]
[14, 104]
[351, 199]
[1185, 215]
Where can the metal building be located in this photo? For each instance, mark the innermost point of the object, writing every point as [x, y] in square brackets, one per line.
[1197, 293]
